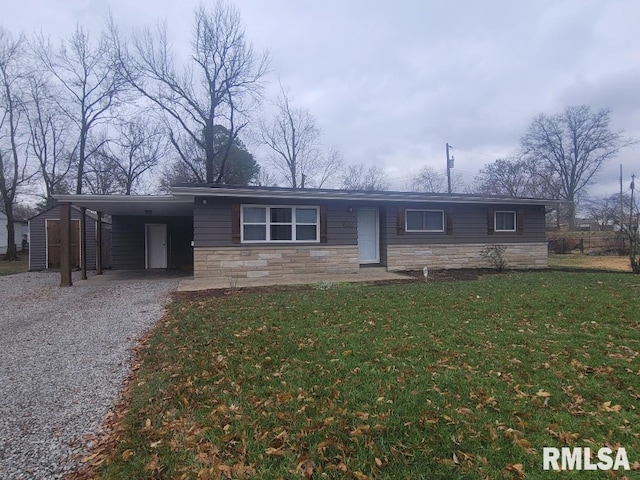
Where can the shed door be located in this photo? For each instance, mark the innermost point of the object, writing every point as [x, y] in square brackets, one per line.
[368, 235]
[53, 243]
[156, 245]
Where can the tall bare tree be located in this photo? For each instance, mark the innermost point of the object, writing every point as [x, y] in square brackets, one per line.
[220, 83]
[293, 138]
[574, 144]
[13, 154]
[86, 73]
[49, 139]
[360, 177]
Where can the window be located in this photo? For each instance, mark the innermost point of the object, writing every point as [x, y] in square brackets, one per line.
[279, 224]
[505, 221]
[424, 221]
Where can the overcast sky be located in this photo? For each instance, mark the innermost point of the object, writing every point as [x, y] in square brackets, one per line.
[390, 82]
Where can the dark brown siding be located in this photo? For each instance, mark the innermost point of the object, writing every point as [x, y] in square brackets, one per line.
[469, 224]
[38, 238]
[128, 241]
[213, 221]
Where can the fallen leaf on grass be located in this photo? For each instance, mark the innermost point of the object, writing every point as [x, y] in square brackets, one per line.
[606, 406]
[307, 468]
[127, 454]
[274, 452]
[516, 468]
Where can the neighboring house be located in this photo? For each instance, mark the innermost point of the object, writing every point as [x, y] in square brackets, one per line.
[20, 230]
[44, 237]
[224, 231]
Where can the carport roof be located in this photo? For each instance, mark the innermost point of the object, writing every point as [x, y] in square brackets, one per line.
[149, 205]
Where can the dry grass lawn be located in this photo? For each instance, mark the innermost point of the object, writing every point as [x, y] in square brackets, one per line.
[591, 262]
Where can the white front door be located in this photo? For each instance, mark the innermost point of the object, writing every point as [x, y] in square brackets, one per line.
[368, 235]
[156, 245]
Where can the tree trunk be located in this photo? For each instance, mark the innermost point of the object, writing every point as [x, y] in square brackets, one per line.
[12, 253]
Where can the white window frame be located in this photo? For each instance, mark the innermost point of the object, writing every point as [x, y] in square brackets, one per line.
[268, 223]
[495, 221]
[406, 221]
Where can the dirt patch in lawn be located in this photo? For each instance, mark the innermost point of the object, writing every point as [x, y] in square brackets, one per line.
[410, 276]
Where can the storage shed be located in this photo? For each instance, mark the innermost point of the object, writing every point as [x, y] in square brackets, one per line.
[44, 236]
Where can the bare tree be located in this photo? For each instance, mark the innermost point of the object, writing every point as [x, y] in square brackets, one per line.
[102, 174]
[85, 71]
[574, 145]
[429, 179]
[293, 137]
[219, 85]
[360, 177]
[507, 176]
[138, 148]
[48, 139]
[13, 158]
[606, 210]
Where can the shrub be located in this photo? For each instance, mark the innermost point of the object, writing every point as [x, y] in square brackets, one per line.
[494, 255]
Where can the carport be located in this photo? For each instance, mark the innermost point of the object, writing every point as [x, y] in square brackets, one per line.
[148, 232]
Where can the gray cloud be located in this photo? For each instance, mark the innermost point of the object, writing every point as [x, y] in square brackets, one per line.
[391, 82]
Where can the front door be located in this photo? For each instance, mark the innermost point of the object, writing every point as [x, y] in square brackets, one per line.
[368, 235]
[156, 245]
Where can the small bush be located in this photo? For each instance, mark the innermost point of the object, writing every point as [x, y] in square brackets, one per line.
[324, 285]
[494, 255]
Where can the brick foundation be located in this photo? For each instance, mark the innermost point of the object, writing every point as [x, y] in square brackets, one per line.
[441, 257]
[274, 261]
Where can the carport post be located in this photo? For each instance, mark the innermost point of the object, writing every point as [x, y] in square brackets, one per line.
[65, 244]
[99, 245]
[83, 242]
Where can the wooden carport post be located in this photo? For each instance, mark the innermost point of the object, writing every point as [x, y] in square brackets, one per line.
[65, 245]
[83, 242]
[99, 245]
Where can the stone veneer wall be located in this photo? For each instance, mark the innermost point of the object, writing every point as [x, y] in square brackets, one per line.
[254, 261]
[440, 257]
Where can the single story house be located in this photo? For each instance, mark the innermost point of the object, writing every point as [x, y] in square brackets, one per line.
[240, 231]
[20, 230]
[44, 236]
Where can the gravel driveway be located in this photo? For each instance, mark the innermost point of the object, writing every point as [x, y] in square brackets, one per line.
[64, 354]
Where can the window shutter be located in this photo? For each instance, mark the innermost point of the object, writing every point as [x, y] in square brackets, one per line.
[490, 221]
[401, 220]
[323, 224]
[235, 223]
[520, 221]
[449, 222]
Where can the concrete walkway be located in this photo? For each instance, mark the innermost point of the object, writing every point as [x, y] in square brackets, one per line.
[367, 274]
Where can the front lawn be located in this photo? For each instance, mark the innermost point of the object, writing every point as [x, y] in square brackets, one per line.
[461, 380]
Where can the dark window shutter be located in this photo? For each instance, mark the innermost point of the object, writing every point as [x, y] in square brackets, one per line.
[449, 222]
[401, 221]
[520, 221]
[323, 224]
[235, 223]
[490, 222]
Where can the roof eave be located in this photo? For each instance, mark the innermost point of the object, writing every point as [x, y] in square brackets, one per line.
[351, 196]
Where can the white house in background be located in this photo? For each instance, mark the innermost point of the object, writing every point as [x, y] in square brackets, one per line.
[21, 229]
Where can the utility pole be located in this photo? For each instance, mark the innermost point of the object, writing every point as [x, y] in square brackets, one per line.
[621, 204]
[633, 187]
[450, 161]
